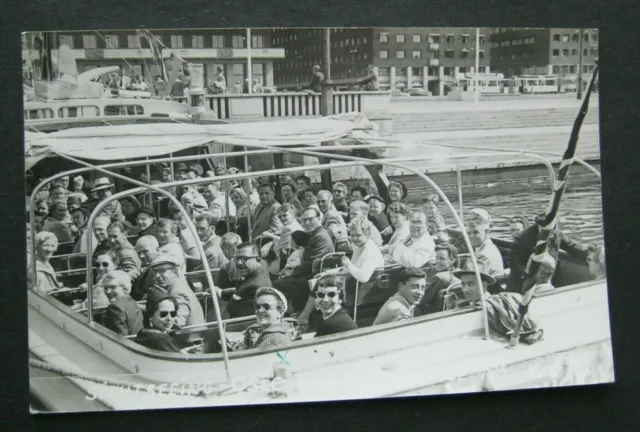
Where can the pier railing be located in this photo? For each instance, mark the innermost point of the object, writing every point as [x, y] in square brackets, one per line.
[376, 105]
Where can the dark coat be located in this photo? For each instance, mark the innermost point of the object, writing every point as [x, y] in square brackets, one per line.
[319, 245]
[246, 289]
[124, 316]
[523, 246]
[316, 82]
[337, 323]
[157, 340]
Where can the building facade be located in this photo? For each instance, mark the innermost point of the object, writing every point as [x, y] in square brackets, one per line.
[404, 57]
[547, 51]
[213, 48]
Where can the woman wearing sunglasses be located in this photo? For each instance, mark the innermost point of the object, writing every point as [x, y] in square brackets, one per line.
[329, 294]
[159, 321]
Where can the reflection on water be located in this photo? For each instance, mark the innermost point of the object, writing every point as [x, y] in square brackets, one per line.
[580, 211]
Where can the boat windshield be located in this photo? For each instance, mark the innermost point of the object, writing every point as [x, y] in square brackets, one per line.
[320, 217]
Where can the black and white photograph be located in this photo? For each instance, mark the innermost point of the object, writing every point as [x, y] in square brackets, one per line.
[250, 216]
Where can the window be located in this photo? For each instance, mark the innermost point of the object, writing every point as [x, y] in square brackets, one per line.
[556, 69]
[585, 51]
[482, 39]
[464, 54]
[481, 54]
[384, 54]
[384, 37]
[176, 41]
[433, 71]
[400, 54]
[86, 111]
[434, 38]
[364, 55]
[447, 71]
[448, 54]
[110, 110]
[565, 52]
[383, 72]
[564, 69]
[556, 38]
[513, 56]
[37, 114]
[565, 38]
[572, 69]
[416, 71]
[89, 41]
[416, 54]
[594, 52]
[217, 41]
[238, 42]
[594, 37]
[238, 69]
[464, 38]
[417, 38]
[574, 51]
[448, 38]
[399, 38]
[555, 53]
[133, 41]
[364, 40]
[67, 40]
[111, 41]
[532, 40]
[591, 67]
[257, 72]
[257, 41]
[435, 54]
[575, 37]
[197, 41]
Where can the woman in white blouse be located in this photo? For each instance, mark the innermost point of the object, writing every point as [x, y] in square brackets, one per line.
[282, 240]
[399, 217]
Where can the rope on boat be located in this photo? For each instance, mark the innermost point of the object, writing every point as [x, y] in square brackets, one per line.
[150, 388]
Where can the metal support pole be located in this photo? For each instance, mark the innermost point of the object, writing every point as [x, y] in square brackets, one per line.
[579, 89]
[477, 90]
[249, 70]
[326, 103]
[460, 202]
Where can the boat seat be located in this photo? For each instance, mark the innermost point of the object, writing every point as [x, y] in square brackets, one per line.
[65, 248]
[68, 262]
[372, 294]
[72, 278]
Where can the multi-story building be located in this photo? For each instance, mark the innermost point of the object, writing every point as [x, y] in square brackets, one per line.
[404, 57]
[543, 51]
[213, 48]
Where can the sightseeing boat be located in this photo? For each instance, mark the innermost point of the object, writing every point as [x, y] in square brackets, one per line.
[451, 351]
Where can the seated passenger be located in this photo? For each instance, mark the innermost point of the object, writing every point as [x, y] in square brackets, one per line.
[439, 279]
[299, 240]
[167, 232]
[397, 192]
[123, 251]
[524, 244]
[147, 248]
[378, 217]
[104, 263]
[517, 224]
[160, 319]
[253, 273]
[303, 182]
[145, 219]
[281, 240]
[59, 222]
[229, 274]
[360, 209]
[435, 222]
[123, 316]
[240, 200]
[103, 245]
[329, 295]
[487, 253]
[130, 206]
[502, 308]
[296, 287]
[340, 199]
[270, 330]
[332, 220]
[399, 217]
[596, 261]
[206, 229]
[309, 198]
[44, 281]
[290, 196]
[167, 281]
[419, 249]
[102, 188]
[412, 283]
[217, 202]
[265, 216]
[358, 193]
[80, 218]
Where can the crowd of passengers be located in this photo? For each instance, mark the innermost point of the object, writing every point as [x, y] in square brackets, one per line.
[143, 253]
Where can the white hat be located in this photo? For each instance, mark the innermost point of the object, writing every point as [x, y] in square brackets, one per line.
[102, 183]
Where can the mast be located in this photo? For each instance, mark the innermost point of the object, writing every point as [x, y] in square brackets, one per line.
[249, 70]
[326, 100]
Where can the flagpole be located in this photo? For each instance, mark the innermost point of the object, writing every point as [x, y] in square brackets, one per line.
[249, 70]
[549, 222]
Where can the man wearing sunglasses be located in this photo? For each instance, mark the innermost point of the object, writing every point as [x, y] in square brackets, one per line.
[296, 286]
[253, 274]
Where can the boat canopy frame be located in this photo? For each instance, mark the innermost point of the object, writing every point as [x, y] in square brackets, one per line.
[327, 152]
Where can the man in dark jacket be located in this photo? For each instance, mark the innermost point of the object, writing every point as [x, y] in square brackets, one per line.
[524, 244]
[253, 273]
[123, 315]
[317, 81]
[296, 286]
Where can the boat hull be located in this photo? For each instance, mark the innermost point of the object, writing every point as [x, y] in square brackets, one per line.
[441, 353]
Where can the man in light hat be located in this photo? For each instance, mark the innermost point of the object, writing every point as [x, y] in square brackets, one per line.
[167, 281]
[103, 188]
[318, 79]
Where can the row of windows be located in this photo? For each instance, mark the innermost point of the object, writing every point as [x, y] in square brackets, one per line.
[432, 38]
[525, 41]
[431, 71]
[176, 41]
[574, 51]
[292, 37]
[572, 69]
[575, 37]
[449, 54]
[84, 111]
